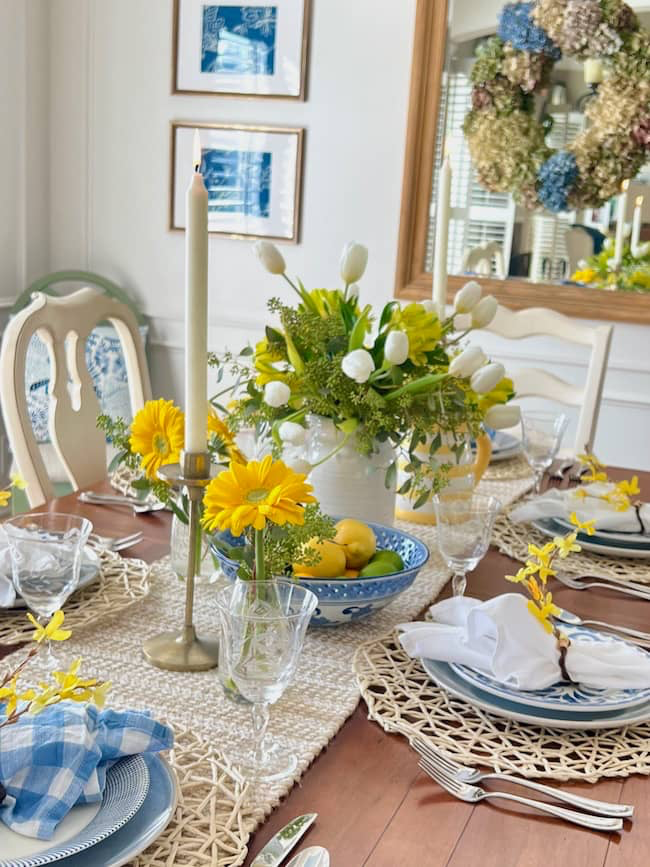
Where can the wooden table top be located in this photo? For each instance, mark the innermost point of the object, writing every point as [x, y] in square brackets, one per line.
[376, 808]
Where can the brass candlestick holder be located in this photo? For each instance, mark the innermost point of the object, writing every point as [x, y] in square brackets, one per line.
[184, 650]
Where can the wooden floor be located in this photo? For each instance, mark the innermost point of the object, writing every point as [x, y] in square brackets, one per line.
[375, 807]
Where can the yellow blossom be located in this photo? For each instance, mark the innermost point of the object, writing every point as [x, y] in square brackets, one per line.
[521, 575]
[53, 631]
[72, 687]
[543, 611]
[543, 553]
[422, 328]
[9, 696]
[584, 275]
[5, 496]
[157, 434]
[266, 353]
[534, 590]
[502, 392]
[629, 488]
[17, 481]
[218, 427]
[589, 527]
[566, 544]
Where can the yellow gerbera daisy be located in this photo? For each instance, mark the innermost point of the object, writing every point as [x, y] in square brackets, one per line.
[422, 328]
[157, 434]
[251, 494]
[219, 428]
[266, 353]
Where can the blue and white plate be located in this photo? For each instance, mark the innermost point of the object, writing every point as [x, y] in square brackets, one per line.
[140, 832]
[127, 784]
[596, 544]
[446, 678]
[573, 697]
[608, 537]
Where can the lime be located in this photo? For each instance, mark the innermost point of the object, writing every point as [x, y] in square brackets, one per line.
[391, 557]
[375, 569]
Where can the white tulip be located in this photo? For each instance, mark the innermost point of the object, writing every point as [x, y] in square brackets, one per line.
[468, 297]
[358, 365]
[396, 348]
[276, 393]
[291, 432]
[488, 377]
[502, 416]
[608, 244]
[429, 305]
[467, 362]
[353, 262]
[353, 291]
[293, 458]
[270, 257]
[484, 312]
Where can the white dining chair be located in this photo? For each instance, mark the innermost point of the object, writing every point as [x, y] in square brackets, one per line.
[535, 382]
[64, 324]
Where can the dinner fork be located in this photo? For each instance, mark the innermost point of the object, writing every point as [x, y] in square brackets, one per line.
[628, 589]
[447, 765]
[140, 507]
[116, 543]
[473, 794]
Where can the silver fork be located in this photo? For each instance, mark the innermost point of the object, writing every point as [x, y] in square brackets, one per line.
[474, 794]
[140, 507]
[447, 765]
[116, 543]
[579, 584]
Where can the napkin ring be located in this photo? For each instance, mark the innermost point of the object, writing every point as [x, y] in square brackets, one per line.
[563, 644]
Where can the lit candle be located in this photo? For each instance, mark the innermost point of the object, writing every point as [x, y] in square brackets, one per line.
[196, 307]
[593, 71]
[442, 238]
[636, 226]
[621, 208]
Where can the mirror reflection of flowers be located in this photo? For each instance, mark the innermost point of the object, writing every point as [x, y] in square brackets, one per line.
[631, 274]
[399, 374]
[273, 505]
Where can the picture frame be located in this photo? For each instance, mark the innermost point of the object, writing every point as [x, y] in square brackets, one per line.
[238, 49]
[253, 175]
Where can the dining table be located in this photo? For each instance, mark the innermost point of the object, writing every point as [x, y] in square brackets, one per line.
[377, 808]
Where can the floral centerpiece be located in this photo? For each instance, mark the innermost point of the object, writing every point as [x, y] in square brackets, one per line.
[632, 274]
[333, 370]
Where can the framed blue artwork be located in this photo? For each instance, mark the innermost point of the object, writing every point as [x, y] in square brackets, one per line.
[236, 49]
[252, 174]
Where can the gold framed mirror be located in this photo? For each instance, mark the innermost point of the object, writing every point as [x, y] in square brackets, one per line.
[537, 272]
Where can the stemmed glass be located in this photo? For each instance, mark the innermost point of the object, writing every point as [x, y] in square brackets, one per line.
[263, 626]
[46, 550]
[542, 434]
[464, 523]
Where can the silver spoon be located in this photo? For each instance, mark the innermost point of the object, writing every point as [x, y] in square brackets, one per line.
[574, 620]
[314, 856]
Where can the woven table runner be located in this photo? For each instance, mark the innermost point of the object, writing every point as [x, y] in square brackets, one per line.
[402, 698]
[121, 583]
[512, 468]
[513, 539]
[217, 812]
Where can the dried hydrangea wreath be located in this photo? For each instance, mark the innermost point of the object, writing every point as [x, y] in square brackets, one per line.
[505, 138]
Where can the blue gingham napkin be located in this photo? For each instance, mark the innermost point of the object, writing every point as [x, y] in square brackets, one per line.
[52, 761]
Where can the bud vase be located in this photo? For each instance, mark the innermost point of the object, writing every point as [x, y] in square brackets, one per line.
[179, 550]
[349, 484]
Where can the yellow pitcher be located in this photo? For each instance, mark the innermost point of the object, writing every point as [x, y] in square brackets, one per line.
[465, 473]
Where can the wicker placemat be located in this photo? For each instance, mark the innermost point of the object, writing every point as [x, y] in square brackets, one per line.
[402, 698]
[512, 468]
[513, 539]
[121, 583]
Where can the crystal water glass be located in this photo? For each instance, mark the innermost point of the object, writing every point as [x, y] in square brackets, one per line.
[263, 626]
[46, 550]
[542, 434]
[464, 524]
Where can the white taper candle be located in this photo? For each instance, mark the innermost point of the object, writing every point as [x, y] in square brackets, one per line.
[621, 208]
[196, 308]
[442, 238]
[636, 226]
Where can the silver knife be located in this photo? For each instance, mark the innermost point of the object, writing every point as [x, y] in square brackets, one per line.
[279, 846]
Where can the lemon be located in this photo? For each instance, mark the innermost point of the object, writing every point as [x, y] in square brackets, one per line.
[390, 557]
[330, 565]
[357, 540]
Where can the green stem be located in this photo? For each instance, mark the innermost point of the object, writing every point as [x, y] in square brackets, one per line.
[260, 572]
[417, 385]
[338, 448]
[293, 286]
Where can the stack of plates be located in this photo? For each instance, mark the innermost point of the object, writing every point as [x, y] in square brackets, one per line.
[562, 705]
[504, 446]
[138, 803]
[607, 542]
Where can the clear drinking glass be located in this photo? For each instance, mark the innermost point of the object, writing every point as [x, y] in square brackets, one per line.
[46, 550]
[263, 626]
[542, 434]
[464, 524]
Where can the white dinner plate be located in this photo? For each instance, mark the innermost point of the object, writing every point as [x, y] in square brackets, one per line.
[127, 785]
[608, 537]
[446, 678]
[88, 572]
[549, 527]
[562, 696]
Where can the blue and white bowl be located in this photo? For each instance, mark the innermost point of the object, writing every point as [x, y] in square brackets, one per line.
[346, 600]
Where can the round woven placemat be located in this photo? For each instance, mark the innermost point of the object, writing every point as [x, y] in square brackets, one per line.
[402, 698]
[512, 539]
[121, 583]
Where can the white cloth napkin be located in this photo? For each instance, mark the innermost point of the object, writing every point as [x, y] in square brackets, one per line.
[501, 638]
[7, 592]
[560, 504]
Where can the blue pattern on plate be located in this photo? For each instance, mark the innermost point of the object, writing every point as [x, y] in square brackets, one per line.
[562, 695]
[127, 784]
[344, 601]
